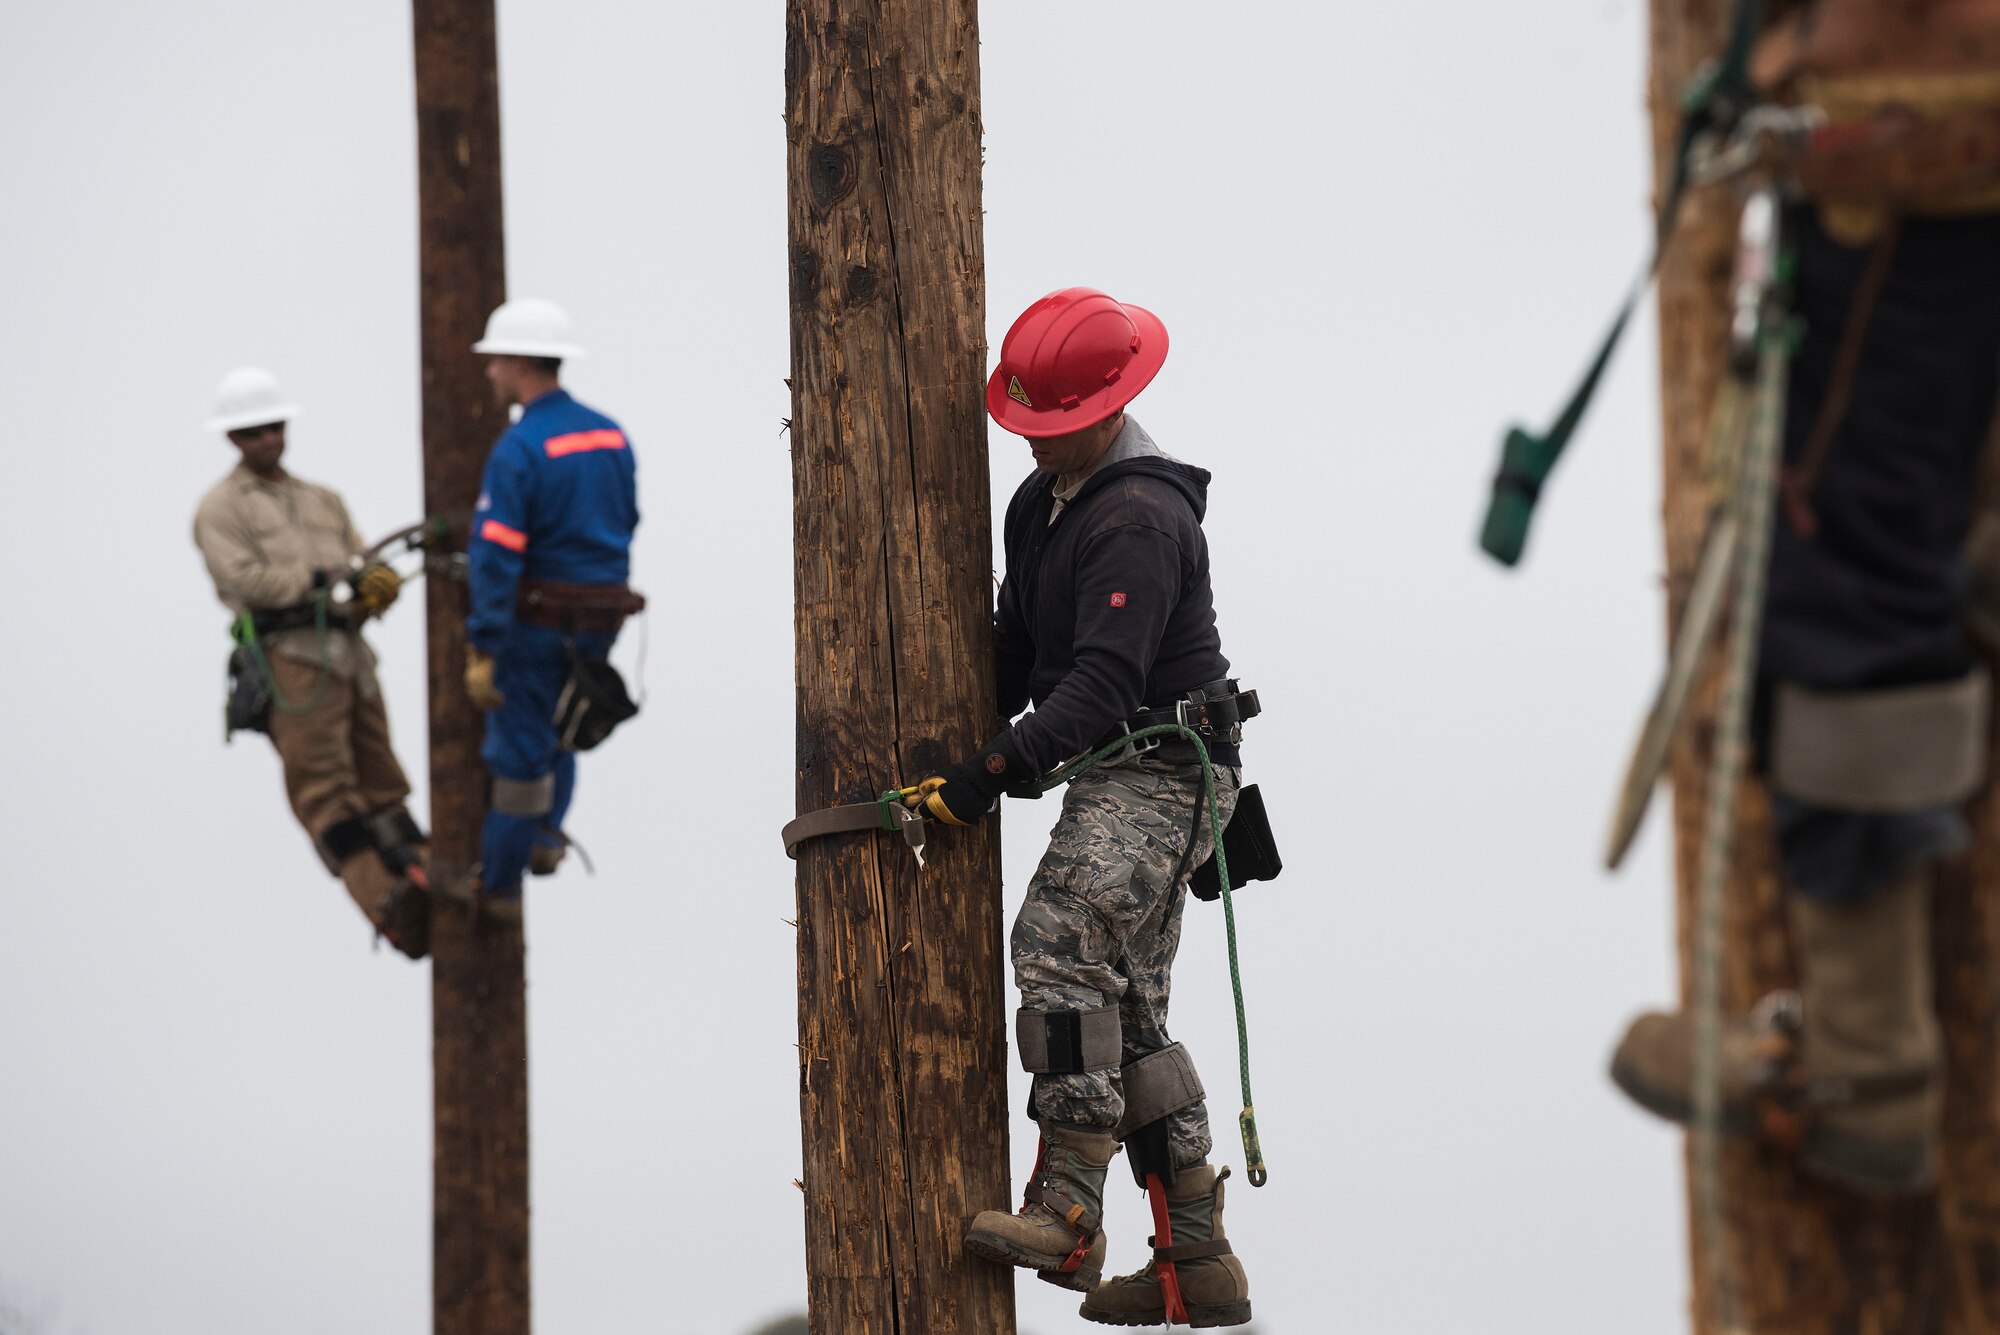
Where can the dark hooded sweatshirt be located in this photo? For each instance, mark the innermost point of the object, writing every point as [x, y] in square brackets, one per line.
[1108, 609]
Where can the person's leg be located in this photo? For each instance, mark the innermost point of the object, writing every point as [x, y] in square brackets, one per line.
[520, 754]
[316, 746]
[1164, 1126]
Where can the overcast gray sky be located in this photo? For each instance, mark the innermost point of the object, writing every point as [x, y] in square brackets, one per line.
[1376, 231]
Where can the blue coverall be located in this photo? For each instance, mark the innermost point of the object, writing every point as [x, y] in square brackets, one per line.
[560, 502]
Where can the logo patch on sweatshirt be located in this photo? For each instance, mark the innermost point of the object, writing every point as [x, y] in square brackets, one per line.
[1016, 393]
[1118, 600]
[996, 763]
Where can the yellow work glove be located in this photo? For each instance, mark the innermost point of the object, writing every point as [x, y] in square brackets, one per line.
[950, 797]
[479, 680]
[376, 589]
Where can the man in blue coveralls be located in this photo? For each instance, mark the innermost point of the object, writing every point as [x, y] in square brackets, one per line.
[550, 550]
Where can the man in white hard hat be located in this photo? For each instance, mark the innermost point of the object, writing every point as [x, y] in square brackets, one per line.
[550, 551]
[279, 549]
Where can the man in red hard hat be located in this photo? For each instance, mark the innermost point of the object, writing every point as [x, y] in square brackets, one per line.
[1106, 623]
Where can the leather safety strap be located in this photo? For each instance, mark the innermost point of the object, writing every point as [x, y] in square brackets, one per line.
[1193, 1251]
[1062, 1207]
[1157, 1085]
[1068, 1042]
[853, 818]
[1901, 749]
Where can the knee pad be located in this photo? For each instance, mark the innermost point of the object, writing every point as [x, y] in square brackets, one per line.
[523, 797]
[1068, 1042]
[1901, 749]
[1157, 1086]
[396, 827]
[342, 840]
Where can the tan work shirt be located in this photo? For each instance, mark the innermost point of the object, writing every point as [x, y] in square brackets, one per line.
[262, 540]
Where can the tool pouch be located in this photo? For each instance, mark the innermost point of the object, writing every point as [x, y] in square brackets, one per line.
[248, 707]
[1247, 844]
[593, 702]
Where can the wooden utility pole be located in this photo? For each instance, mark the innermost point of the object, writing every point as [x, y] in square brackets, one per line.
[1806, 1259]
[902, 1044]
[479, 1041]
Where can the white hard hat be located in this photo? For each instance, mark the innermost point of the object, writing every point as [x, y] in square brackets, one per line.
[250, 396]
[529, 327]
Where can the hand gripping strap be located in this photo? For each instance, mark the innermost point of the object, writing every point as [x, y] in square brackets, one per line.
[1156, 1085]
[1901, 749]
[1067, 1042]
[524, 797]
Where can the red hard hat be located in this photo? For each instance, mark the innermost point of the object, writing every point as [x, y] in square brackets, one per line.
[1073, 358]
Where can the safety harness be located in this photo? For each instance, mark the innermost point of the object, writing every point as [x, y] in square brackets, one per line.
[252, 691]
[1218, 714]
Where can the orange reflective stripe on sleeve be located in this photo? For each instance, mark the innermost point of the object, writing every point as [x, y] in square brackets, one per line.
[511, 538]
[576, 442]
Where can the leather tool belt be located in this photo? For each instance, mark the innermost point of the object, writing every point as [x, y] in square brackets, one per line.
[1216, 712]
[271, 621]
[1920, 144]
[576, 609]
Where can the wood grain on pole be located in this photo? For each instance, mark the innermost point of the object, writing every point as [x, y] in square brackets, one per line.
[1806, 1259]
[902, 1046]
[478, 1005]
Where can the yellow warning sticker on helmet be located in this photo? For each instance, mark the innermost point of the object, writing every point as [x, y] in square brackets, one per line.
[1016, 393]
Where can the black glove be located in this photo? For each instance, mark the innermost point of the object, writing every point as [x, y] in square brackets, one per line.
[960, 794]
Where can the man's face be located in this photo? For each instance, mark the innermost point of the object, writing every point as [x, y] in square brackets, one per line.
[512, 378]
[1078, 450]
[261, 446]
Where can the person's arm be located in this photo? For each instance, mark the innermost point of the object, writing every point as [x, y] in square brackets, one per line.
[1013, 652]
[1128, 582]
[497, 547]
[243, 574]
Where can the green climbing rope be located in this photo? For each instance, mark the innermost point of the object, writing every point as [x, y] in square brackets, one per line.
[244, 631]
[1253, 1150]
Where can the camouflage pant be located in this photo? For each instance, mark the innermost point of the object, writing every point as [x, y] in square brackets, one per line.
[1101, 924]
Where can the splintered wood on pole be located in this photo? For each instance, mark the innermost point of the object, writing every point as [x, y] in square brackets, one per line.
[1806, 1259]
[479, 1041]
[902, 1042]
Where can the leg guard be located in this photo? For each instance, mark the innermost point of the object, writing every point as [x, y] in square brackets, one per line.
[342, 840]
[517, 809]
[524, 797]
[401, 842]
[1068, 1042]
[1157, 1085]
[1901, 749]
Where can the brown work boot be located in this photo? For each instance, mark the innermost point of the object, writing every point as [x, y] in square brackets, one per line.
[1213, 1289]
[1654, 1063]
[1871, 1048]
[1059, 1233]
[399, 909]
